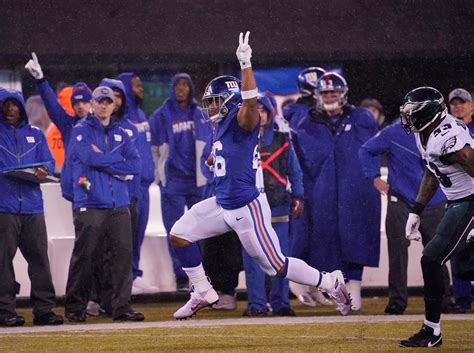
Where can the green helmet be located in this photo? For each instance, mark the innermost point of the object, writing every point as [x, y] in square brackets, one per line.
[421, 107]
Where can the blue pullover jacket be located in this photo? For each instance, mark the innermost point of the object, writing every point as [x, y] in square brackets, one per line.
[21, 145]
[106, 171]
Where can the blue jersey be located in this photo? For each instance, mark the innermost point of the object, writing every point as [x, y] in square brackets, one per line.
[235, 162]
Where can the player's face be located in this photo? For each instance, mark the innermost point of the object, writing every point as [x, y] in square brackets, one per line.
[137, 87]
[11, 112]
[330, 97]
[263, 116]
[460, 109]
[182, 90]
[118, 101]
[103, 109]
[81, 108]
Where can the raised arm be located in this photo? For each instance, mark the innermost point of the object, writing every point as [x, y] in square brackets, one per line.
[247, 117]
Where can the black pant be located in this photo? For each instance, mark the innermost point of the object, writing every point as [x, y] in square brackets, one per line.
[102, 289]
[93, 227]
[27, 232]
[222, 261]
[450, 240]
[397, 215]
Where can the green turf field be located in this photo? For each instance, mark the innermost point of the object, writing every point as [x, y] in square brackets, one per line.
[363, 336]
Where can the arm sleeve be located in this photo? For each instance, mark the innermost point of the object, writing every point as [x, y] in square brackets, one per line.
[369, 154]
[130, 163]
[55, 111]
[82, 146]
[295, 175]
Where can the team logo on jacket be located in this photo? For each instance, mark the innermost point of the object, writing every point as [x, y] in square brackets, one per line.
[180, 126]
[30, 139]
[79, 138]
[118, 137]
[129, 132]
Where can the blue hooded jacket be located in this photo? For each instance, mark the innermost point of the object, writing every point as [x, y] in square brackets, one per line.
[179, 137]
[106, 171]
[21, 145]
[138, 118]
[129, 127]
[65, 123]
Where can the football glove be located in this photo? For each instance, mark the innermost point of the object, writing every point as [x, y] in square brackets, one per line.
[34, 67]
[411, 228]
[244, 52]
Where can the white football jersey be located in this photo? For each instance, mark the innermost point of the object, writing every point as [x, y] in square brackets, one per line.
[450, 136]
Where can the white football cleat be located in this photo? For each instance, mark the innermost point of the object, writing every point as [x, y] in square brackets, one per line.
[197, 302]
[339, 293]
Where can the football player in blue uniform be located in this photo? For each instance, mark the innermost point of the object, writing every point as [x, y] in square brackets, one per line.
[306, 83]
[232, 106]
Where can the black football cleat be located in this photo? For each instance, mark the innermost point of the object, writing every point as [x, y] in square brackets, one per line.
[423, 338]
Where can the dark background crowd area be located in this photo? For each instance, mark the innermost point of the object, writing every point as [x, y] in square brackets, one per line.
[385, 48]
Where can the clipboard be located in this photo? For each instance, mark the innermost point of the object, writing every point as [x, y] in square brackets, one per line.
[26, 172]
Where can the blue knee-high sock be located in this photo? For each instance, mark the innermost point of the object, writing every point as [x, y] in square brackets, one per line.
[189, 255]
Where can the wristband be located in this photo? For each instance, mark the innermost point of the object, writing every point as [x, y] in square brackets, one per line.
[245, 64]
[253, 93]
[417, 208]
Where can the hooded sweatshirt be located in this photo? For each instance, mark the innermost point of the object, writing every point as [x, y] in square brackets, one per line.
[129, 127]
[21, 145]
[137, 116]
[179, 137]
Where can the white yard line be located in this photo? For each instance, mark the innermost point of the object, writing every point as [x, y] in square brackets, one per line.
[196, 323]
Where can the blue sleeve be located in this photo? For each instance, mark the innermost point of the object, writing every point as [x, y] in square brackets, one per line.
[44, 154]
[294, 173]
[82, 146]
[370, 151]
[130, 163]
[55, 111]
[205, 153]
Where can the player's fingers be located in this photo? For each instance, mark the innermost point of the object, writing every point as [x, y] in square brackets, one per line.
[28, 64]
[35, 58]
[246, 39]
[241, 38]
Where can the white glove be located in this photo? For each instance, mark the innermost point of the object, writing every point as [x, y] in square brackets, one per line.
[244, 52]
[34, 67]
[411, 228]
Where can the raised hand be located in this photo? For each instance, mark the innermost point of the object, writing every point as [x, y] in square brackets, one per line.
[34, 67]
[244, 52]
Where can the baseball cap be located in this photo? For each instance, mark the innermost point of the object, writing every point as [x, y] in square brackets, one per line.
[102, 92]
[460, 93]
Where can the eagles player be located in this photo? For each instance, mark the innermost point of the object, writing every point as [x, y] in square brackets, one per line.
[232, 107]
[446, 147]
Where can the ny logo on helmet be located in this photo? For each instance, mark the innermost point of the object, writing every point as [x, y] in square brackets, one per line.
[232, 85]
[311, 77]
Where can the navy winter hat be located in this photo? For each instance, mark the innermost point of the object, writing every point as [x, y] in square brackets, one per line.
[81, 92]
